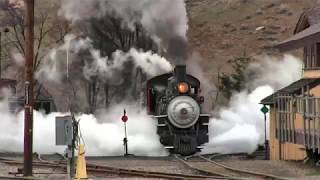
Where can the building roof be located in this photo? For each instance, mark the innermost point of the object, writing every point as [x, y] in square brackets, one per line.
[308, 36]
[293, 88]
[307, 31]
[308, 18]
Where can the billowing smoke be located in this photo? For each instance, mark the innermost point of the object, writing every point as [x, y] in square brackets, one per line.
[76, 63]
[165, 21]
[102, 135]
[208, 89]
[55, 64]
[240, 126]
[150, 63]
[268, 70]
[163, 18]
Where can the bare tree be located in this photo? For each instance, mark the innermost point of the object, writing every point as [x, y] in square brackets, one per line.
[49, 31]
[108, 35]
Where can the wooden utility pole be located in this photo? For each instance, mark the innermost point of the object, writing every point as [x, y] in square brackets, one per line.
[28, 107]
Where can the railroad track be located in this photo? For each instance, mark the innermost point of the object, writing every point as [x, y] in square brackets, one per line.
[107, 170]
[228, 172]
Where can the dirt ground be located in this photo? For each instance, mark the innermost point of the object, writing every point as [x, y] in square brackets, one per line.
[290, 170]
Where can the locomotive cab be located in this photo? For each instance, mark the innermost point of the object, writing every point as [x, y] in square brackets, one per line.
[173, 100]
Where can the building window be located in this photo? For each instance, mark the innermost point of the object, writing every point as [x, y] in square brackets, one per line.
[318, 54]
[311, 56]
[305, 57]
[300, 105]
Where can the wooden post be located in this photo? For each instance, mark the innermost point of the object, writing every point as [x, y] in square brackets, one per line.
[28, 108]
[314, 124]
[304, 101]
[279, 127]
[318, 118]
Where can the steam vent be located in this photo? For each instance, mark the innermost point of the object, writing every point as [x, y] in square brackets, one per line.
[295, 109]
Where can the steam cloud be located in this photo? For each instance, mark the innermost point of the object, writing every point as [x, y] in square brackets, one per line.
[102, 135]
[163, 18]
[165, 21]
[240, 126]
[55, 66]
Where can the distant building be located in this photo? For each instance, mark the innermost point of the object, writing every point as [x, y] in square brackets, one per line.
[9, 84]
[295, 109]
[42, 100]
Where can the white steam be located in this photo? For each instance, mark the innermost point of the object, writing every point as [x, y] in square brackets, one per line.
[240, 126]
[102, 137]
[54, 67]
[157, 17]
[55, 64]
[150, 63]
[277, 74]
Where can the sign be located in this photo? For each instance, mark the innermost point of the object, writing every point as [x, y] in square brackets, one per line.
[124, 118]
[264, 109]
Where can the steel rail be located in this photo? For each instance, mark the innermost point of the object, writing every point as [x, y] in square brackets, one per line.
[94, 168]
[226, 176]
[242, 171]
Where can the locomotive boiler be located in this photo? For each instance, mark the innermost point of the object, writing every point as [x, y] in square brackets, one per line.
[174, 101]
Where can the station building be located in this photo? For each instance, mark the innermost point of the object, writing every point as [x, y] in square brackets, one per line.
[295, 109]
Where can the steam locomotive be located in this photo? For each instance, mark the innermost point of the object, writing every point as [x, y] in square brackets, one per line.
[173, 100]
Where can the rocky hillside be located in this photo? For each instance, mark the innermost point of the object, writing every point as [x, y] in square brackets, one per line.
[223, 29]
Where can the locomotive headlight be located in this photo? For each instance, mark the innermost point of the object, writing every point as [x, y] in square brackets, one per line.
[183, 87]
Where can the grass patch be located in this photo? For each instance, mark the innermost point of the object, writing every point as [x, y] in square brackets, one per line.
[313, 174]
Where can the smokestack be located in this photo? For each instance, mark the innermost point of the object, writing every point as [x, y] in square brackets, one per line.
[180, 72]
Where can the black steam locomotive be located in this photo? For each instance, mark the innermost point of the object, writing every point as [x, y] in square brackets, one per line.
[173, 100]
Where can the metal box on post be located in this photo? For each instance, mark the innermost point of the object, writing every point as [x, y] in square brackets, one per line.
[64, 130]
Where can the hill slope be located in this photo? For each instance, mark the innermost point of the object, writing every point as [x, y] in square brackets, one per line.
[223, 29]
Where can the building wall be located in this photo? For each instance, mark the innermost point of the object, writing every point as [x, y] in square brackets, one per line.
[316, 90]
[311, 74]
[285, 150]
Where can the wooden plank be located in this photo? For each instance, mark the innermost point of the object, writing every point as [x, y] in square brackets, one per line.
[279, 127]
[285, 127]
[294, 111]
[314, 125]
[318, 126]
[289, 119]
[304, 122]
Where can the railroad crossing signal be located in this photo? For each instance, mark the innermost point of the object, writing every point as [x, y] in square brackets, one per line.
[124, 119]
[264, 109]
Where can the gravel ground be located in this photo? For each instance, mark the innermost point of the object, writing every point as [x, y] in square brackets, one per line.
[291, 170]
[169, 166]
[47, 173]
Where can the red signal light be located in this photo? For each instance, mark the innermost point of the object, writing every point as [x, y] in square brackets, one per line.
[124, 118]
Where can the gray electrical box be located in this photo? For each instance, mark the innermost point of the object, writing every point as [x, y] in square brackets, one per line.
[64, 130]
